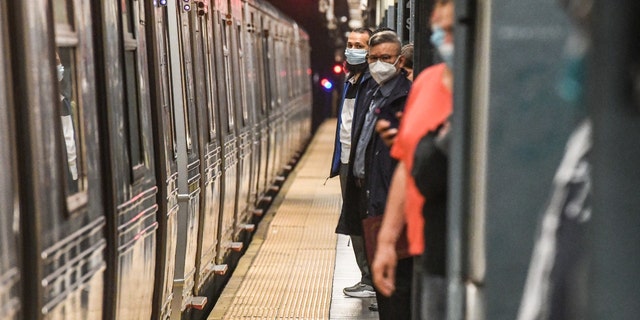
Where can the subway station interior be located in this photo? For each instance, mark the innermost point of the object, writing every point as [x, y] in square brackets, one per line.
[319, 159]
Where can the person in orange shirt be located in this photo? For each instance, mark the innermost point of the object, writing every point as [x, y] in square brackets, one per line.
[429, 105]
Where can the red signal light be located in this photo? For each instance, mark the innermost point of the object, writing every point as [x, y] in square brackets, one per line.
[337, 69]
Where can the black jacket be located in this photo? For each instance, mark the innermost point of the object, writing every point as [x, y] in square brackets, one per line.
[369, 196]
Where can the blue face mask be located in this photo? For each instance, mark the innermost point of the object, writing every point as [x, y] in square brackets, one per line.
[444, 49]
[355, 56]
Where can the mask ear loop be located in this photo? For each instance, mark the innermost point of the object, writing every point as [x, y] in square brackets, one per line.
[397, 59]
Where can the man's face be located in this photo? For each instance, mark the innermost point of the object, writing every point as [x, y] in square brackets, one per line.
[358, 41]
[387, 52]
[443, 15]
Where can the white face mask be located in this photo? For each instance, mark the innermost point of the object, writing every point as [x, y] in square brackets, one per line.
[382, 71]
[60, 69]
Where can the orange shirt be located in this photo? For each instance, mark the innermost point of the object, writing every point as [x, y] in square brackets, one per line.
[429, 104]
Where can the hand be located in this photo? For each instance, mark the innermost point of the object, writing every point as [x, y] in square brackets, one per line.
[388, 134]
[383, 269]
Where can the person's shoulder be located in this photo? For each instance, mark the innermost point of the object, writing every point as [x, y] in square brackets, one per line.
[430, 73]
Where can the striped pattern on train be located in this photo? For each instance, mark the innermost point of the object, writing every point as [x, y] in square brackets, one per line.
[140, 141]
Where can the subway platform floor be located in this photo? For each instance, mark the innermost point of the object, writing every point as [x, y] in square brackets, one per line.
[296, 266]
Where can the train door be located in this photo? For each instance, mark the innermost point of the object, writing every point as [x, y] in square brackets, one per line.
[10, 283]
[266, 82]
[227, 126]
[166, 145]
[61, 209]
[280, 58]
[275, 121]
[128, 159]
[612, 96]
[188, 153]
[255, 102]
[244, 125]
[506, 74]
[209, 144]
[289, 103]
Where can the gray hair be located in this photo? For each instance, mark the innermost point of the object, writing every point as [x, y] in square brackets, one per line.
[385, 37]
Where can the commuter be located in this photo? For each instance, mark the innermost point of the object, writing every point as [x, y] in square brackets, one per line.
[428, 107]
[357, 78]
[407, 53]
[372, 163]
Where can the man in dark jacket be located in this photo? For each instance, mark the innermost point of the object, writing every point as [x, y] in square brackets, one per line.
[357, 79]
[372, 165]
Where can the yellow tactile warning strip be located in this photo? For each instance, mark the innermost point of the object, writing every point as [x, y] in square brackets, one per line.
[287, 271]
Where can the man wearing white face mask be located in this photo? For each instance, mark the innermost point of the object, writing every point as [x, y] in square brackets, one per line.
[358, 77]
[429, 105]
[372, 164]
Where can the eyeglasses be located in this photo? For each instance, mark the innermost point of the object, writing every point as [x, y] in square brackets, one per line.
[385, 58]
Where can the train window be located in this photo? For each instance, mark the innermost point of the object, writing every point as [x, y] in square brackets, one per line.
[131, 87]
[70, 105]
[71, 115]
[63, 15]
[127, 17]
[227, 64]
[132, 107]
[219, 63]
[163, 54]
[243, 104]
[209, 76]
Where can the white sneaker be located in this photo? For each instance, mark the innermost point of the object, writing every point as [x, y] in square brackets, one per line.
[360, 290]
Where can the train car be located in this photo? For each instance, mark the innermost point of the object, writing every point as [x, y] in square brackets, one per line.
[135, 138]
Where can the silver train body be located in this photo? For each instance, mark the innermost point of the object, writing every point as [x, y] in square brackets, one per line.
[132, 175]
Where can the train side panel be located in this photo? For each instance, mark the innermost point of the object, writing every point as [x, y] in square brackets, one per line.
[10, 304]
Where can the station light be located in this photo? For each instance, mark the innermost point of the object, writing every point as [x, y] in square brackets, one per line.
[337, 68]
[326, 84]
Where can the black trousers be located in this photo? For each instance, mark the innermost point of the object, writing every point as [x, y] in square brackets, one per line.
[398, 306]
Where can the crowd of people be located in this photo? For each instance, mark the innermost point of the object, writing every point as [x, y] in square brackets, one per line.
[389, 128]
[392, 151]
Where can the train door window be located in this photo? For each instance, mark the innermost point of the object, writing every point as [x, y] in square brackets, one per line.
[70, 104]
[131, 72]
[209, 75]
[63, 14]
[262, 71]
[227, 63]
[218, 62]
[241, 60]
[165, 91]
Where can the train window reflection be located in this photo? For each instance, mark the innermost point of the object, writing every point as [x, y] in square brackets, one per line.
[72, 130]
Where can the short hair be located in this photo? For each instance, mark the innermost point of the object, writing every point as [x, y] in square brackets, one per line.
[363, 31]
[385, 37]
[443, 1]
[381, 29]
[407, 53]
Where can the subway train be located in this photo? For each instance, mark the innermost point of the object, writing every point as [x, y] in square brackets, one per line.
[140, 141]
